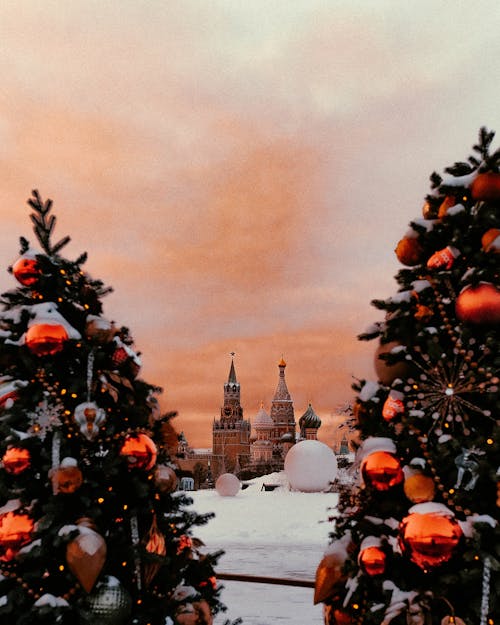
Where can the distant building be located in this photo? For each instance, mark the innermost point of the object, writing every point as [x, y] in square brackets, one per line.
[231, 432]
[241, 447]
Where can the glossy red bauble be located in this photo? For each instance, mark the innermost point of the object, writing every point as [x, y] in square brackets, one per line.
[16, 529]
[44, 339]
[16, 460]
[479, 305]
[430, 539]
[372, 560]
[26, 270]
[381, 470]
[140, 452]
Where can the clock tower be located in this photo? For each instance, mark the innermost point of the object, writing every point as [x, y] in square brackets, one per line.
[230, 433]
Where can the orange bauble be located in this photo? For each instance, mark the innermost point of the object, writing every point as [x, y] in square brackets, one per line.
[372, 560]
[16, 529]
[409, 251]
[26, 270]
[479, 304]
[486, 187]
[429, 539]
[16, 460]
[387, 373]
[44, 339]
[419, 488]
[382, 470]
[491, 240]
[140, 452]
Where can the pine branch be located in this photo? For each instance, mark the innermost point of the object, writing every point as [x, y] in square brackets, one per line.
[43, 224]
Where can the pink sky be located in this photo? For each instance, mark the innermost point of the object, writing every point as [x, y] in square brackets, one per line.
[239, 172]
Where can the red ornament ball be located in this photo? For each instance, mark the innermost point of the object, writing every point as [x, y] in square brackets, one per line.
[479, 304]
[44, 339]
[139, 451]
[382, 470]
[429, 539]
[16, 529]
[372, 560]
[16, 460]
[27, 270]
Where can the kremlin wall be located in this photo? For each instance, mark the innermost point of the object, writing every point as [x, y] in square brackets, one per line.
[249, 448]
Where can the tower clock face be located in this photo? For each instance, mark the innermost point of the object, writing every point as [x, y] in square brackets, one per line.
[227, 411]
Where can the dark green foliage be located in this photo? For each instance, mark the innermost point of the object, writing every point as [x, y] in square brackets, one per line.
[450, 392]
[121, 503]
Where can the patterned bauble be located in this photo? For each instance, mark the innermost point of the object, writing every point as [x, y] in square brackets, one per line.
[479, 304]
[16, 460]
[429, 535]
[45, 339]
[108, 604]
[393, 406]
[139, 451]
[26, 269]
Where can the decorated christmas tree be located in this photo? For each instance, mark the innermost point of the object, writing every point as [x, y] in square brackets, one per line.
[92, 528]
[417, 540]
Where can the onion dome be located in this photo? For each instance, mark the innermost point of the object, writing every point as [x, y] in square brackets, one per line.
[309, 419]
[262, 419]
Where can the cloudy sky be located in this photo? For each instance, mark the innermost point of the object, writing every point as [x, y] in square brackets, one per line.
[239, 172]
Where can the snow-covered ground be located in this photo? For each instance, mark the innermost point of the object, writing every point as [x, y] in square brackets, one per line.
[278, 533]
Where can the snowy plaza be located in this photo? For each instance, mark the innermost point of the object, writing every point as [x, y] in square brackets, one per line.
[280, 534]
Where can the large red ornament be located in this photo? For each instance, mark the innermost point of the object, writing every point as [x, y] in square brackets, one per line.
[429, 539]
[372, 560]
[16, 460]
[16, 529]
[140, 452]
[86, 555]
[44, 339]
[27, 270]
[381, 470]
[486, 187]
[479, 304]
[336, 616]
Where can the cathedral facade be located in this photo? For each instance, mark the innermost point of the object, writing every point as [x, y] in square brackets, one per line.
[256, 446]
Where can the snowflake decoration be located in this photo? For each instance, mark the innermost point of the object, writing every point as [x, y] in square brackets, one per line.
[44, 419]
[450, 391]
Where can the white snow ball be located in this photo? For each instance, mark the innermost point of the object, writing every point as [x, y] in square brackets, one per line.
[310, 466]
[227, 485]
